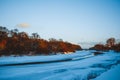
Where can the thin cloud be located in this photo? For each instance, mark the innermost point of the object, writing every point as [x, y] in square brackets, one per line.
[23, 25]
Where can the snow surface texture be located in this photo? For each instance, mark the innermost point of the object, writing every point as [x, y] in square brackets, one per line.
[113, 74]
[81, 65]
[43, 59]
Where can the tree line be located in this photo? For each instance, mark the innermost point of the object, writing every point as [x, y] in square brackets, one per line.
[110, 45]
[13, 42]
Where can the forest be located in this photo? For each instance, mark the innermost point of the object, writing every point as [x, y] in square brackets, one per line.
[13, 42]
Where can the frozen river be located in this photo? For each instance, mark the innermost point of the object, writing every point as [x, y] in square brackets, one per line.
[82, 65]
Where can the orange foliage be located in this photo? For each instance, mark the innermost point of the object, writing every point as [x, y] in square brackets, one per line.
[2, 44]
[13, 42]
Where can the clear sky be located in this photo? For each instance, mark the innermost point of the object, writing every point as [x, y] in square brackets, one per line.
[71, 20]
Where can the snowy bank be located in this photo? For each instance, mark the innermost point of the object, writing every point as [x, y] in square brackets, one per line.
[112, 74]
[43, 59]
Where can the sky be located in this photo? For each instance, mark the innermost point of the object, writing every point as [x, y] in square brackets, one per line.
[71, 20]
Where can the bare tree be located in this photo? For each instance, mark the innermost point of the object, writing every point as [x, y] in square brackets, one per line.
[110, 42]
[35, 35]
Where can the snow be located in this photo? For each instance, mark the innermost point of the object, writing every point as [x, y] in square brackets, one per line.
[82, 66]
[41, 59]
[112, 74]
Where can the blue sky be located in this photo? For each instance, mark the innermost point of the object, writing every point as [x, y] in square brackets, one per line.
[71, 20]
